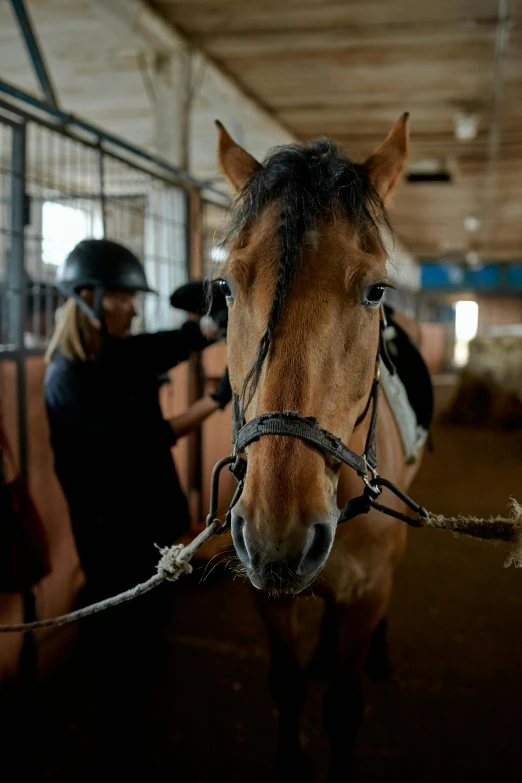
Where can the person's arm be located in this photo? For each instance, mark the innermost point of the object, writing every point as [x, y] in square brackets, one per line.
[190, 419]
[200, 410]
[159, 351]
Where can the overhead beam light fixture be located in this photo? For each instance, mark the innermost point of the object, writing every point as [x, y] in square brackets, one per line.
[471, 224]
[466, 125]
[473, 259]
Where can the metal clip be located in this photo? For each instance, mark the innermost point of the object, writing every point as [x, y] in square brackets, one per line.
[228, 517]
[374, 488]
[214, 488]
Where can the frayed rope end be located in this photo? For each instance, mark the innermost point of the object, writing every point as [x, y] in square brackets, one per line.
[508, 529]
[515, 556]
[170, 566]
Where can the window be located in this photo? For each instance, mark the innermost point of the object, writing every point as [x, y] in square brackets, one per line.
[64, 226]
[466, 325]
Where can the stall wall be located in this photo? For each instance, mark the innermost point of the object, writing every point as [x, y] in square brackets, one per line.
[499, 310]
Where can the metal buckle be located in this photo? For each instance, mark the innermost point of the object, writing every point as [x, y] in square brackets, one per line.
[375, 489]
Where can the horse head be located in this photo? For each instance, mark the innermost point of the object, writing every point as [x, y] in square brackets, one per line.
[304, 277]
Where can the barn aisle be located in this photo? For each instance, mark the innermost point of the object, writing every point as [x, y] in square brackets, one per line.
[451, 712]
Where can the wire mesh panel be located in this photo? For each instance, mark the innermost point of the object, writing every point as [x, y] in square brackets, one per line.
[75, 190]
[7, 338]
[149, 216]
[63, 207]
[12, 285]
[9, 293]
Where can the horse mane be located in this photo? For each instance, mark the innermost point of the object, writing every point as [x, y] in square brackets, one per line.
[310, 181]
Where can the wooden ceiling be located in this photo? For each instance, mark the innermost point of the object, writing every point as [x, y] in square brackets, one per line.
[349, 69]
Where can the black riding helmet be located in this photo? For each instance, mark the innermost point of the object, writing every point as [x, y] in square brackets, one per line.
[100, 265]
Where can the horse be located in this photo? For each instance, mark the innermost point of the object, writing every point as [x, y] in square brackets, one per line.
[304, 280]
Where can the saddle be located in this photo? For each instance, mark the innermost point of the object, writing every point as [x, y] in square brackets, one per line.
[406, 382]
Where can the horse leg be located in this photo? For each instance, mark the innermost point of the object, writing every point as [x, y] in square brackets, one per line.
[323, 660]
[343, 705]
[286, 680]
[378, 665]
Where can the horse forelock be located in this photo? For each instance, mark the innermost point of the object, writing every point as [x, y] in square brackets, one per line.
[310, 183]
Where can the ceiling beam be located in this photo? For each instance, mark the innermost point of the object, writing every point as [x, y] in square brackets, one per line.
[34, 51]
[158, 36]
[490, 176]
[258, 42]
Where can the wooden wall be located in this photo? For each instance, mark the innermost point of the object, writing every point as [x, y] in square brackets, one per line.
[56, 592]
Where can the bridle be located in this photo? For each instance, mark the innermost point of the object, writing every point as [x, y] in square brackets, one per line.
[307, 429]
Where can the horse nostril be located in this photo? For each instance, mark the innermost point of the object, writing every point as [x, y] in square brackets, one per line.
[238, 537]
[321, 541]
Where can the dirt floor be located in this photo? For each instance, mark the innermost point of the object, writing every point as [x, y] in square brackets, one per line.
[451, 712]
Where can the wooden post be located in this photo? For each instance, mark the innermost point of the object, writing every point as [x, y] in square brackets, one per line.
[172, 95]
[170, 90]
[195, 376]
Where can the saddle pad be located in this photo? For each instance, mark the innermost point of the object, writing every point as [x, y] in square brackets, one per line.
[413, 436]
[411, 369]
[409, 391]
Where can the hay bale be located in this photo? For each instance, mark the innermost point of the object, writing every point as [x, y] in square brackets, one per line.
[489, 392]
[472, 402]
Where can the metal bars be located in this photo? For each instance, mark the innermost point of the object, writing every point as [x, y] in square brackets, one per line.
[15, 274]
[34, 51]
[56, 188]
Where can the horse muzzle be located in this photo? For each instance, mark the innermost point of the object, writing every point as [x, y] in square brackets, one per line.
[287, 563]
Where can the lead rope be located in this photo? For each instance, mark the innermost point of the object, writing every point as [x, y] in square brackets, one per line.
[175, 560]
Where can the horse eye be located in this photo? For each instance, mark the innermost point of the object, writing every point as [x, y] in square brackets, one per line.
[374, 295]
[224, 288]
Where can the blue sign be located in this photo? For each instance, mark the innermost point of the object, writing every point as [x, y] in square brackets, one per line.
[514, 276]
[459, 277]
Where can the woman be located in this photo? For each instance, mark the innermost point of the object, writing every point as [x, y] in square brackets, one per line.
[111, 445]
[112, 450]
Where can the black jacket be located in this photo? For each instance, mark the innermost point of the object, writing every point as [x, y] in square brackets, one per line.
[112, 452]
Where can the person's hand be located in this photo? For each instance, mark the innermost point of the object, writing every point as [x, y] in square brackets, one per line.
[223, 392]
[214, 324]
[200, 298]
[209, 327]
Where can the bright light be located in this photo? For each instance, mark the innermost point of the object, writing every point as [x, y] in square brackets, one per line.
[471, 223]
[218, 253]
[466, 326]
[473, 259]
[466, 125]
[466, 320]
[63, 227]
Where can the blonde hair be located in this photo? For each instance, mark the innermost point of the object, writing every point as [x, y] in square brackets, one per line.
[72, 335]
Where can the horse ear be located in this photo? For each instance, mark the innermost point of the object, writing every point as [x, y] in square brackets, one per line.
[389, 160]
[235, 163]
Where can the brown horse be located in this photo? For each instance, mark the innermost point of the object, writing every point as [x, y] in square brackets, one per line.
[304, 279]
